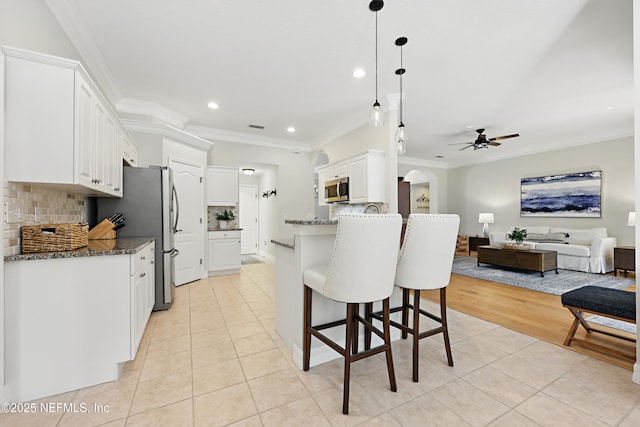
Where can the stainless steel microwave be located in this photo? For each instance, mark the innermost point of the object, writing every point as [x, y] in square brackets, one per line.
[337, 190]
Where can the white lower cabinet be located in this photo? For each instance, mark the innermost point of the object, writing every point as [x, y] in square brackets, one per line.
[142, 293]
[71, 322]
[224, 251]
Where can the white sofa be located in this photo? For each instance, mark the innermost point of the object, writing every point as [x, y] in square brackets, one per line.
[589, 250]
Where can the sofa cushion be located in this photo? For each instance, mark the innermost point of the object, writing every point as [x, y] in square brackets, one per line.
[581, 236]
[566, 249]
[546, 237]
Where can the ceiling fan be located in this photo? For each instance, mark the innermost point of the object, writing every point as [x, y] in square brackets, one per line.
[482, 142]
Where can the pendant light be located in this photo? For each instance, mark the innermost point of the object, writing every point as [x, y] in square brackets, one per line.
[401, 133]
[376, 119]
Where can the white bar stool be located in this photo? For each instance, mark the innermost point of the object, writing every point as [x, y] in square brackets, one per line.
[425, 262]
[361, 270]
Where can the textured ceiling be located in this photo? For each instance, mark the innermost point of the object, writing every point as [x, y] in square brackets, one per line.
[560, 73]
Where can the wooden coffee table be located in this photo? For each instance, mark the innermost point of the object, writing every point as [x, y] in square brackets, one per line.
[531, 260]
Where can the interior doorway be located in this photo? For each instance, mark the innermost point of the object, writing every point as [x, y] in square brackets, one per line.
[249, 219]
[322, 212]
[424, 191]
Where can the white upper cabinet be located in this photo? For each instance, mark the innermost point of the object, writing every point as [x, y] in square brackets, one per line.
[366, 178]
[222, 186]
[60, 130]
[366, 174]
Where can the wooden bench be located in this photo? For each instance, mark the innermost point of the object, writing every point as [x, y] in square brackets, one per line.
[612, 303]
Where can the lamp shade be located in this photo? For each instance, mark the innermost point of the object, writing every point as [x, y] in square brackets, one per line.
[485, 218]
[631, 220]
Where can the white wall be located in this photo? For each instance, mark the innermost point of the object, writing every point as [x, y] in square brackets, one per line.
[268, 210]
[495, 187]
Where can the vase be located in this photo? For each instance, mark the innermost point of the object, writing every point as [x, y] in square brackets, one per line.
[223, 224]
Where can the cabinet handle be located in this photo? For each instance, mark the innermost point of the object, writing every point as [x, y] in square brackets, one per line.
[143, 274]
[142, 258]
[116, 189]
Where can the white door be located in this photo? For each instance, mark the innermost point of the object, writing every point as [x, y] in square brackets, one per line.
[188, 179]
[249, 219]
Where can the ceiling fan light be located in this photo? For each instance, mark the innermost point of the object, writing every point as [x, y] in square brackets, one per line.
[376, 118]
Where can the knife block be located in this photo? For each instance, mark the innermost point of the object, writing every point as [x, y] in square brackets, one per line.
[104, 230]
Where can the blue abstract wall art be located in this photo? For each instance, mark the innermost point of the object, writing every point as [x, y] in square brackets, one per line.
[568, 195]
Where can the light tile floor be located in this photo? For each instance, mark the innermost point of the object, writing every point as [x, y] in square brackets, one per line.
[215, 359]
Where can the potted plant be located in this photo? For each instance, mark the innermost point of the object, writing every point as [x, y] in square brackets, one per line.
[518, 235]
[225, 218]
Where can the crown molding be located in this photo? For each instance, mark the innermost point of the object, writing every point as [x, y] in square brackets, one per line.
[243, 138]
[153, 110]
[414, 161]
[167, 131]
[72, 23]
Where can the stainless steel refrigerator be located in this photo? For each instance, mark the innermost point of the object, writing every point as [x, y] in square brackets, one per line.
[150, 207]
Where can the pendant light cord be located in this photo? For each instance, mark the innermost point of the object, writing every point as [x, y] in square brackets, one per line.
[376, 56]
[401, 73]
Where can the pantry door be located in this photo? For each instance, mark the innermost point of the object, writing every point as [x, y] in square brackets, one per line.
[249, 219]
[188, 179]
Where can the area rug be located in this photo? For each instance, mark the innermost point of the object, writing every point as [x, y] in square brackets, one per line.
[248, 259]
[551, 283]
[613, 323]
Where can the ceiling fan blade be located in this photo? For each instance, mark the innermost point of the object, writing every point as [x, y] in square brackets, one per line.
[460, 143]
[495, 144]
[498, 138]
[464, 148]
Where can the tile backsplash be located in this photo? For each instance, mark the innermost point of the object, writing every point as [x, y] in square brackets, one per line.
[212, 211]
[40, 205]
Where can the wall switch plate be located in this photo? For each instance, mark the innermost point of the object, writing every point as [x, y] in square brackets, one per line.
[12, 213]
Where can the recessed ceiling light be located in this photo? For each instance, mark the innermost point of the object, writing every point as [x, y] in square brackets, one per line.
[439, 157]
[359, 73]
[609, 108]
[291, 129]
[212, 105]
[470, 127]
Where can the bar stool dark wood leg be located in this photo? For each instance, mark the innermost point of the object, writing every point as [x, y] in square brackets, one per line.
[306, 356]
[443, 317]
[386, 325]
[405, 311]
[416, 332]
[347, 357]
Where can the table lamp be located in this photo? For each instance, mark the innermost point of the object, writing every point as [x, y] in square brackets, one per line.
[486, 219]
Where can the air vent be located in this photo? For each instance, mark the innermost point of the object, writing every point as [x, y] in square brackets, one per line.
[256, 126]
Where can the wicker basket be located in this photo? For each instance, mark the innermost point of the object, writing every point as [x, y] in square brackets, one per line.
[54, 237]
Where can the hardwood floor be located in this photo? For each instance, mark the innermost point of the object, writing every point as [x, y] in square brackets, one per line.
[533, 313]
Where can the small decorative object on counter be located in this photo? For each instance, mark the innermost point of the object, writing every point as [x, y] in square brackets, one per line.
[225, 218]
[54, 237]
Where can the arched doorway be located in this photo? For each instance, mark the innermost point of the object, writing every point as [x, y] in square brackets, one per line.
[424, 191]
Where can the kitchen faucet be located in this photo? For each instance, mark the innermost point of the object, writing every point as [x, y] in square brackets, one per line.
[372, 205]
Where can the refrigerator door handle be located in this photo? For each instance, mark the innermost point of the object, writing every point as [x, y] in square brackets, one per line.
[175, 195]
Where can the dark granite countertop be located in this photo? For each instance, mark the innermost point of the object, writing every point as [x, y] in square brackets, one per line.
[121, 246]
[311, 221]
[286, 242]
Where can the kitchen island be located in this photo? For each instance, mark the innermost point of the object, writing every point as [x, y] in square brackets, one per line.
[311, 245]
[74, 317]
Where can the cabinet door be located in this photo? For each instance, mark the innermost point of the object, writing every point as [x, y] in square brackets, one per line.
[100, 143]
[224, 254]
[222, 187]
[358, 181]
[84, 131]
[321, 180]
[117, 161]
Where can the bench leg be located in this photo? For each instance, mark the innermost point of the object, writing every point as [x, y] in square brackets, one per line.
[574, 326]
